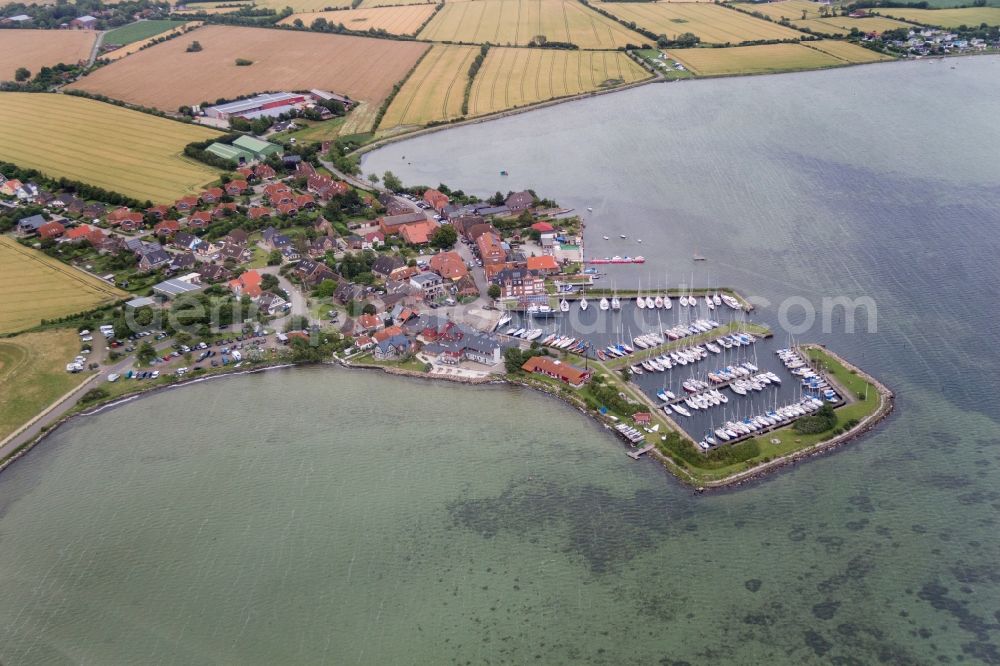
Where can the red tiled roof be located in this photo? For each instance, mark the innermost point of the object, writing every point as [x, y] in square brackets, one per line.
[247, 284]
[51, 230]
[448, 265]
[418, 233]
[543, 263]
[553, 368]
[79, 232]
[542, 227]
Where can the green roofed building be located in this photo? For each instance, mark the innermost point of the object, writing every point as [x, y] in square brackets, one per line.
[227, 152]
[259, 149]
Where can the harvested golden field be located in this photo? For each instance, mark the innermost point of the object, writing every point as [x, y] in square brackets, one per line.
[134, 47]
[946, 18]
[369, 4]
[34, 287]
[789, 9]
[210, 8]
[520, 22]
[714, 24]
[303, 5]
[35, 49]
[105, 145]
[394, 20]
[512, 78]
[166, 77]
[762, 59]
[435, 90]
[849, 53]
[33, 374]
[841, 25]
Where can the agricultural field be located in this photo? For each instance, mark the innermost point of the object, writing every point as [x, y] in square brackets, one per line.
[841, 25]
[521, 22]
[360, 67]
[763, 59]
[714, 24]
[222, 7]
[129, 49]
[35, 49]
[303, 5]
[946, 18]
[788, 9]
[394, 20]
[33, 374]
[434, 91]
[105, 145]
[850, 53]
[511, 78]
[34, 287]
[369, 4]
[138, 31]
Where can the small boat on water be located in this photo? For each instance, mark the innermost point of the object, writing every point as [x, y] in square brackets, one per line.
[601, 355]
[623, 236]
[716, 299]
[604, 305]
[589, 209]
[640, 302]
[504, 320]
[666, 303]
[606, 238]
[615, 303]
[650, 303]
[564, 305]
[709, 302]
[684, 300]
[658, 302]
[583, 303]
[730, 301]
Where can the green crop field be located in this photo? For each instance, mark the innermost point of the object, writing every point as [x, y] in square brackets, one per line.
[788, 9]
[849, 53]
[105, 145]
[713, 24]
[946, 18]
[521, 22]
[34, 287]
[33, 374]
[511, 78]
[134, 32]
[435, 90]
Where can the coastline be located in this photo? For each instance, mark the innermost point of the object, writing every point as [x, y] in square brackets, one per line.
[676, 470]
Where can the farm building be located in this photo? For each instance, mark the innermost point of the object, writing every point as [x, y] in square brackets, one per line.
[230, 153]
[268, 105]
[259, 149]
[86, 22]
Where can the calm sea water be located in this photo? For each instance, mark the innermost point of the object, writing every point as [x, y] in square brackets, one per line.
[328, 516]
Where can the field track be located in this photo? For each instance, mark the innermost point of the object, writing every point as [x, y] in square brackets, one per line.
[511, 78]
[35, 287]
[35, 49]
[133, 153]
[518, 22]
[360, 67]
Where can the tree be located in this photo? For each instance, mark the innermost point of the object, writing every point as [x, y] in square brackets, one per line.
[269, 282]
[494, 291]
[274, 258]
[194, 47]
[22, 74]
[444, 237]
[368, 309]
[373, 178]
[145, 353]
[392, 181]
[325, 289]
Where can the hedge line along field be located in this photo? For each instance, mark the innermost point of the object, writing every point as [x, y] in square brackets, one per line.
[34, 287]
[33, 374]
[841, 25]
[394, 20]
[519, 22]
[166, 77]
[435, 90]
[133, 153]
[368, 4]
[511, 78]
[714, 24]
[946, 18]
[138, 31]
[35, 49]
[767, 58]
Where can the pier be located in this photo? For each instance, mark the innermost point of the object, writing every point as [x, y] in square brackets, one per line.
[634, 455]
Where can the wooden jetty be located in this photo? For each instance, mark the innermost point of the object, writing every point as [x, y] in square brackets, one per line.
[634, 455]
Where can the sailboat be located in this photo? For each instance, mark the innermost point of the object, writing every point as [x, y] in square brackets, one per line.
[615, 303]
[658, 302]
[639, 300]
[604, 304]
[583, 303]
[650, 303]
[564, 305]
[716, 299]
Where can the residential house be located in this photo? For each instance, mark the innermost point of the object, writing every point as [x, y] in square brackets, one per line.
[463, 223]
[247, 284]
[372, 240]
[551, 367]
[313, 272]
[287, 209]
[304, 201]
[79, 233]
[200, 219]
[258, 212]
[465, 286]
[29, 226]
[449, 265]
[519, 201]
[166, 228]
[152, 260]
[418, 233]
[185, 204]
[348, 292]
[430, 285]
[491, 249]
[184, 241]
[545, 264]
[264, 172]
[383, 266]
[543, 227]
[158, 212]
[321, 245]
[305, 169]
[391, 224]
[185, 261]
[519, 283]
[275, 240]
[394, 205]
[10, 187]
[436, 199]
[271, 303]
[85, 22]
[369, 323]
[51, 230]
[325, 187]
[235, 188]
[214, 273]
[212, 195]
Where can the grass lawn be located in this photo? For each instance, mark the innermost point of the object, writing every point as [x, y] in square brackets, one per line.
[414, 364]
[663, 64]
[316, 131]
[33, 374]
[133, 32]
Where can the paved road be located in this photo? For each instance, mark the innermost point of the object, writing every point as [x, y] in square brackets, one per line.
[300, 304]
[96, 48]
